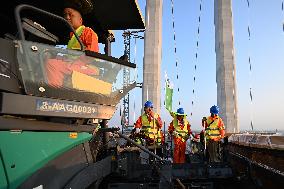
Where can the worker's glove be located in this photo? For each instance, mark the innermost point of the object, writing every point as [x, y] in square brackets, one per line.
[152, 114]
[216, 139]
[137, 130]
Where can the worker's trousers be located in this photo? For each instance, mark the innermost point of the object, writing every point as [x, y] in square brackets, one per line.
[179, 152]
[214, 151]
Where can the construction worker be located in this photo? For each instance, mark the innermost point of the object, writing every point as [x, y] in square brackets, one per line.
[196, 155]
[56, 69]
[214, 132]
[73, 14]
[149, 125]
[180, 130]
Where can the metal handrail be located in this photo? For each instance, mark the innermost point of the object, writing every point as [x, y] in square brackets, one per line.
[21, 7]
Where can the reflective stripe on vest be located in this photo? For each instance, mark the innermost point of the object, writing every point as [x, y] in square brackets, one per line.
[151, 128]
[73, 42]
[213, 131]
[182, 132]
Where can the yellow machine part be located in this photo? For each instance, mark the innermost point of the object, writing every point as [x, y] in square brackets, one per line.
[87, 83]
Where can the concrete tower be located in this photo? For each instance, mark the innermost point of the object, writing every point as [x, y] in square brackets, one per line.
[152, 54]
[225, 65]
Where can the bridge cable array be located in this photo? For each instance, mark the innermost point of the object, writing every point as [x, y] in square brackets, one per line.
[250, 67]
[175, 50]
[282, 8]
[196, 57]
[136, 77]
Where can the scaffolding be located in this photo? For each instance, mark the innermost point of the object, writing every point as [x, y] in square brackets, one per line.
[127, 35]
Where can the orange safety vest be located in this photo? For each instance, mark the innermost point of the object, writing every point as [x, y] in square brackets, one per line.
[151, 128]
[181, 132]
[213, 129]
[73, 43]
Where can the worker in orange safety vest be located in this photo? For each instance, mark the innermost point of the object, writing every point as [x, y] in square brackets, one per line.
[214, 133]
[58, 69]
[180, 130]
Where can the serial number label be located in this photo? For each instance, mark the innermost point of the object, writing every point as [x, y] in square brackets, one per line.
[53, 106]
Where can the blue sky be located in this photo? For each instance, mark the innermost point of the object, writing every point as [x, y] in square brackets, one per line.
[266, 49]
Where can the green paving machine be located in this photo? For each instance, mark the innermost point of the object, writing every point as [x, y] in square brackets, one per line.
[50, 134]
